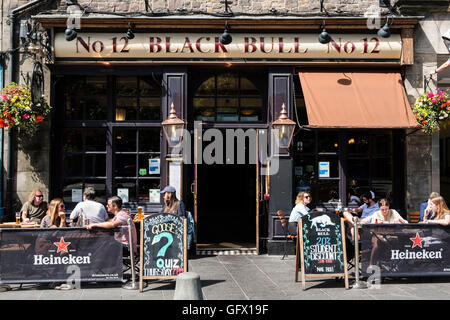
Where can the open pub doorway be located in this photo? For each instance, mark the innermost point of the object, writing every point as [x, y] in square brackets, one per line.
[226, 206]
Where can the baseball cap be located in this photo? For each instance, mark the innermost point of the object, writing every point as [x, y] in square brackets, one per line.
[168, 189]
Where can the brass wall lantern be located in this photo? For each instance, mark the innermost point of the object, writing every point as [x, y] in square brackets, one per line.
[285, 128]
[173, 128]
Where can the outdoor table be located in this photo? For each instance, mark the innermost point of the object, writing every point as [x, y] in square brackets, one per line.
[22, 225]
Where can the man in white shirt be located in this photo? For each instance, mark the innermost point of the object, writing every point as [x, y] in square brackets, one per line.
[89, 208]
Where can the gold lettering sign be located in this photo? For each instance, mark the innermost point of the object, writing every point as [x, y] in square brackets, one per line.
[244, 46]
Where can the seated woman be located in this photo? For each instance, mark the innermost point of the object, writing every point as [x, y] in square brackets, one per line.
[55, 217]
[300, 209]
[441, 212]
[384, 215]
[171, 203]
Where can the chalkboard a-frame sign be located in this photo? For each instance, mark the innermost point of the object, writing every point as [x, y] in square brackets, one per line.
[321, 248]
[163, 247]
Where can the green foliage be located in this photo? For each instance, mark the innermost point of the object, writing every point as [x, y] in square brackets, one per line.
[431, 108]
[17, 110]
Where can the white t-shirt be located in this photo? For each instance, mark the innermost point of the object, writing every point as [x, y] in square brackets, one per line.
[92, 210]
[377, 217]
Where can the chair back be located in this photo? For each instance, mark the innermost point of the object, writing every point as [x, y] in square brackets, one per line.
[413, 216]
[283, 220]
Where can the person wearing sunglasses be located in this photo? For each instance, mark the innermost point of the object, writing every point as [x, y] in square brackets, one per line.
[300, 210]
[56, 217]
[35, 209]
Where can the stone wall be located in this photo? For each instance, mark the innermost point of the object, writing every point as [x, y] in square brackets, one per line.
[422, 164]
[348, 7]
[29, 156]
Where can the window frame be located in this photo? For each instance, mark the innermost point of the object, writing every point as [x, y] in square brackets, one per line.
[58, 124]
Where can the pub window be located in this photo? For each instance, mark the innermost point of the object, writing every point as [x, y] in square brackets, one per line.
[85, 98]
[109, 137]
[319, 158]
[228, 97]
[136, 171]
[370, 164]
[84, 159]
[329, 163]
[138, 98]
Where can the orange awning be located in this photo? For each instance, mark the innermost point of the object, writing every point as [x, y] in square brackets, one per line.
[356, 100]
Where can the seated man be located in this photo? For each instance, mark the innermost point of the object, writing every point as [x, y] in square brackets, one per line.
[120, 219]
[369, 206]
[89, 208]
[35, 208]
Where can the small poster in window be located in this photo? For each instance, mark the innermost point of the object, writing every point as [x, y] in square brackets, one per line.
[154, 195]
[77, 195]
[153, 166]
[123, 193]
[324, 169]
[142, 171]
[298, 171]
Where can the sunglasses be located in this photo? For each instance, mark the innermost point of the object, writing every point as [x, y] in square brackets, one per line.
[62, 206]
[307, 197]
[40, 196]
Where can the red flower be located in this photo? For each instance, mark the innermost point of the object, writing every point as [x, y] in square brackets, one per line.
[39, 118]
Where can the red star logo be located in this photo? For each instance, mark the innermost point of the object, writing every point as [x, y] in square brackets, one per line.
[417, 241]
[62, 246]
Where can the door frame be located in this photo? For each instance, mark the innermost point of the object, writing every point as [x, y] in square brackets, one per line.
[259, 184]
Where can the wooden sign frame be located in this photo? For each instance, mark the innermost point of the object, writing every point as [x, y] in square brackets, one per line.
[141, 261]
[299, 257]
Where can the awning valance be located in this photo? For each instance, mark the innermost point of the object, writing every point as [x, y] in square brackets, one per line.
[356, 100]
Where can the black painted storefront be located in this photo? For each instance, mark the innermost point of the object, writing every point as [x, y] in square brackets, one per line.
[277, 86]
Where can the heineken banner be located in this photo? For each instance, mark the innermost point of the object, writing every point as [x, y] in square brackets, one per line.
[405, 250]
[52, 255]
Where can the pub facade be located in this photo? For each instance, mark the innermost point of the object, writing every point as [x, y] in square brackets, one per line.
[113, 72]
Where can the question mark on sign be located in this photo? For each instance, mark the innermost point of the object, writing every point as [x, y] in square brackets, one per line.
[162, 251]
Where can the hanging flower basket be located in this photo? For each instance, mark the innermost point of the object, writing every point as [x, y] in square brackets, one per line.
[431, 108]
[17, 110]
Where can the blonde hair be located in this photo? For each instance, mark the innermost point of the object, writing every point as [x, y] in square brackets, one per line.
[32, 195]
[301, 196]
[53, 210]
[443, 208]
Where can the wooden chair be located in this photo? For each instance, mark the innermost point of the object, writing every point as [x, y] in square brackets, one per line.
[284, 224]
[413, 216]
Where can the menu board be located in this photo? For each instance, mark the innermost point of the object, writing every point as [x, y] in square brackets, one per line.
[322, 245]
[163, 247]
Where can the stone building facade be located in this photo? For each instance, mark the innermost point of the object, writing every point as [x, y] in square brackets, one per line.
[29, 164]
